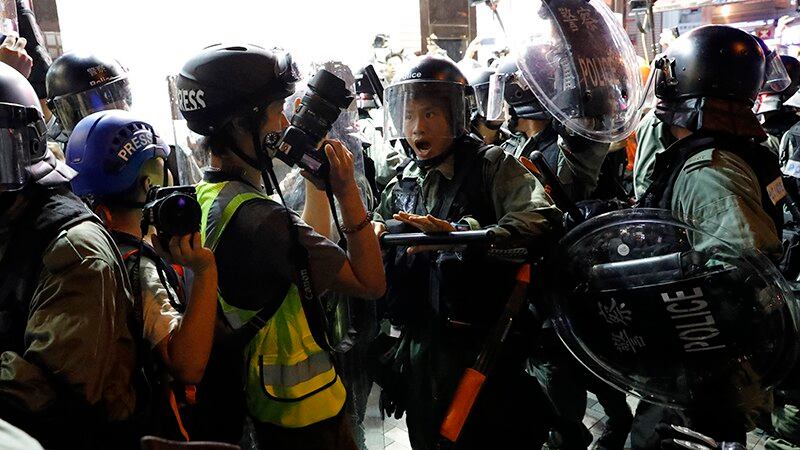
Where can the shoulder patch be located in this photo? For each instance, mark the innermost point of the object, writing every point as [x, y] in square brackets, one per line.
[776, 190]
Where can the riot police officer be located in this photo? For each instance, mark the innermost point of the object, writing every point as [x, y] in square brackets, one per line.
[451, 179]
[67, 351]
[490, 130]
[775, 115]
[698, 158]
[383, 157]
[577, 162]
[79, 84]
[574, 159]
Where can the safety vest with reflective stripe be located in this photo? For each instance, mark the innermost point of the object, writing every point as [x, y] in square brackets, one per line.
[291, 381]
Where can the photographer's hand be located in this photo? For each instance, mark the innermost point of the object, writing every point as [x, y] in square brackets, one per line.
[362, 275]
[189, 346]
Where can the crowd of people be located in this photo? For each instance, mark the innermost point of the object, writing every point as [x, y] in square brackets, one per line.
[226, 312]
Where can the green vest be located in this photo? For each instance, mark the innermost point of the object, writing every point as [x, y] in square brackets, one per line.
[291, 381]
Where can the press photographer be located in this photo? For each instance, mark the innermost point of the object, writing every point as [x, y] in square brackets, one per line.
[120, 162]
[272, 264]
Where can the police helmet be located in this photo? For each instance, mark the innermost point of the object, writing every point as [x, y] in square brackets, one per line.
[432, 79]
[715, 61]
[520, 98]
[225, 81]
[108, 150]
[79, 84]
[775, 102]
[23, 140]
[479, 81]
[709, 79]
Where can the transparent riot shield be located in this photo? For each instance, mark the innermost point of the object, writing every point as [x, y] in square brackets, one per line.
[352, 322]
[668, 313]
[583, 68]
[188, 154]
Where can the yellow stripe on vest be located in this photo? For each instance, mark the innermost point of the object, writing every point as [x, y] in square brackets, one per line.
[291, 381]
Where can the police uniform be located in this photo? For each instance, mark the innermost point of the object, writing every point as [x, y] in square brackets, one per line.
[497, 194]
[716, 178]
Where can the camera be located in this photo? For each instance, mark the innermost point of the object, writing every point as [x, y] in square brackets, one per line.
[327, 96]
[173, 211]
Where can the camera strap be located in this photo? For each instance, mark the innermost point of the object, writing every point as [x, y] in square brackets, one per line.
[329, 193]
[312, 306]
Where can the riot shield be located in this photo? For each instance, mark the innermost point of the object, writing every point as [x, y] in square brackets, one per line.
[668, 313]
[583, 68]
[188, 155]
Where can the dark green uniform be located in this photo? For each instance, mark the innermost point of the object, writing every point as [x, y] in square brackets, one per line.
[497, 193]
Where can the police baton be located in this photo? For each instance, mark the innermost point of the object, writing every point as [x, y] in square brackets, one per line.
[449, 238]
[552, 185]
[474, 378]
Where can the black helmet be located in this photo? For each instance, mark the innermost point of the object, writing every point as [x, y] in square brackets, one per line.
[365, 94]
[432, 78]
[518, 95]
[712, 61]
[769, 102]
[792, 66]
[23, 137]
[709, 79]
[79, 84]
[226, 81]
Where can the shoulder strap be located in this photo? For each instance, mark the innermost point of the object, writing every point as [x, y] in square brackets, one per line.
[465, 164]
[667, 168]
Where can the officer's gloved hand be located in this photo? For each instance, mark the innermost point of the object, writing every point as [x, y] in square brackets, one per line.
[590, 209]
[674, 437]
[391, 405]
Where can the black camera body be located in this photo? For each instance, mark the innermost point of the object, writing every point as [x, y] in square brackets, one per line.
[327, 96]
[173, 211]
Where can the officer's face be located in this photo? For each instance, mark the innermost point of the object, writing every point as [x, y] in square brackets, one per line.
[427, 127]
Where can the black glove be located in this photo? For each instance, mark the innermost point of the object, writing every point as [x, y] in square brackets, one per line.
[391, 405]
[674, 437]
[592, 208]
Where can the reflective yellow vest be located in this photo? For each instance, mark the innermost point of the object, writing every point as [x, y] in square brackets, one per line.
[291, 381]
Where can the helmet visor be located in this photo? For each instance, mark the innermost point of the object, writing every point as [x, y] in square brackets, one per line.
[497, 89]
[70, 109]
[481, 97]
[424, 109]
[776, 78]
[15, 158]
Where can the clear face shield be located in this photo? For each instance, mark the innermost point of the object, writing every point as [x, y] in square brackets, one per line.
[425, 112]
[70, 109]
[18, 130]
[776, 78]
[583, 69]
[497, 88]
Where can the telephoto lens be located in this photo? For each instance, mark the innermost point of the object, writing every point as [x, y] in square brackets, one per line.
[327, 96]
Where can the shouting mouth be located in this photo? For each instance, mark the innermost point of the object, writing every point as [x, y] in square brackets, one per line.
[422, 146]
